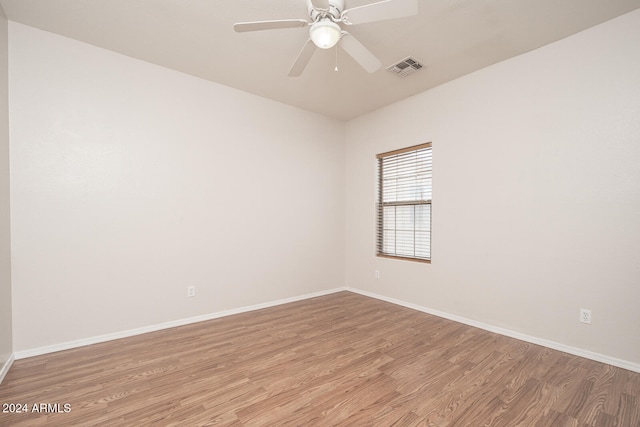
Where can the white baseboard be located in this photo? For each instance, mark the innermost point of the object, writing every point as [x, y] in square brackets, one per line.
[5, 368]
[635, 367]
[166, 325]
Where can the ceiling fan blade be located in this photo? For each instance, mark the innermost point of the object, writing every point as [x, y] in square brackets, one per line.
[361, 54]
[303, 59]
[386, 9]
[269, 25]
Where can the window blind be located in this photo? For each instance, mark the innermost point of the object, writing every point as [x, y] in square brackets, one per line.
[404, 203]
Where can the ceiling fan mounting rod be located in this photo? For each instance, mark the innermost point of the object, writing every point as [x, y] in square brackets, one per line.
[334, 12]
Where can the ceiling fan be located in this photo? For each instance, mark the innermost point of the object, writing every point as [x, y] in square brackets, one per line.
[326, 18]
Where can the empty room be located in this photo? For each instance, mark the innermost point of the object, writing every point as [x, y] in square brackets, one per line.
[320, 212]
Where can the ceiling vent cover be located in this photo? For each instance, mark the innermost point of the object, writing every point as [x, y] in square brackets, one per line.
[405, 67]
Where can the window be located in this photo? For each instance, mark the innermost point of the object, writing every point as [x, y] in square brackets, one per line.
[404, 203]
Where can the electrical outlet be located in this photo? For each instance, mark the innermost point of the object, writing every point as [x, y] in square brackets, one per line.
[376, 274]
[191, 291]
[585, 316]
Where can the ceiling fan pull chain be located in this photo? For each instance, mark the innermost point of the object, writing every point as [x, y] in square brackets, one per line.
[336, 69]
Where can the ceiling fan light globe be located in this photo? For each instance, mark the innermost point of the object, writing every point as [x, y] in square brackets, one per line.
[325, 33]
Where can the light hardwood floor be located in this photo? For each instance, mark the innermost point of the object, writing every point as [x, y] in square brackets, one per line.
[342, 359]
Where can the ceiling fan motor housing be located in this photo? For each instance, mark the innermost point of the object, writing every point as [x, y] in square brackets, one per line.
[336, 7]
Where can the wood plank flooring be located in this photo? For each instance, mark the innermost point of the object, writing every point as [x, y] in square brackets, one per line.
[337, 360]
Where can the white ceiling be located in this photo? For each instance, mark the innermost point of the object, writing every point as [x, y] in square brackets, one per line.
[450, 37]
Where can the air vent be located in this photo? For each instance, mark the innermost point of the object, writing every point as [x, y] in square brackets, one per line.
[405, 67]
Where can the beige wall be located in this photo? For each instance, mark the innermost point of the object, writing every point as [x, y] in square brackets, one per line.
[6, 347]
[131, 182]
[536, 193]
